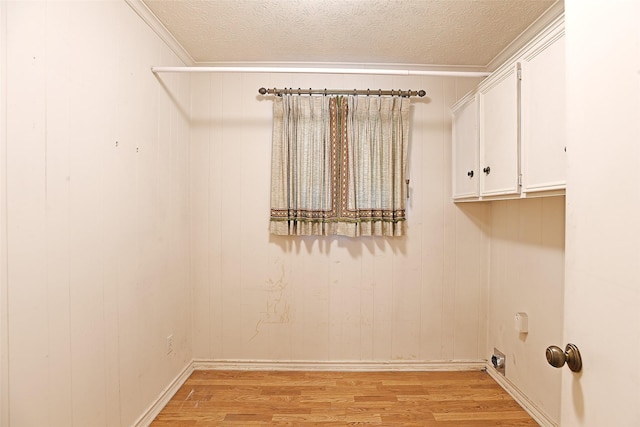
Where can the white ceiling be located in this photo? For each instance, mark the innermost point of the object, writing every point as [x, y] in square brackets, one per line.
[460, 34]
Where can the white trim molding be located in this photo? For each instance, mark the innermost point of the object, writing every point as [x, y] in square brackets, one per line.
[549, 16]
[152, 412]
[346, 366]
[532, 409]
[165, 35]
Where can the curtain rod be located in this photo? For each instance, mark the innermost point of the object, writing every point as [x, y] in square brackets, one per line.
[318, 70]
[379, 92]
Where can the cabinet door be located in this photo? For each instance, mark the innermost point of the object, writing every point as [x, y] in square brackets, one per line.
[465, 148]
[499, 133]
[543, 115]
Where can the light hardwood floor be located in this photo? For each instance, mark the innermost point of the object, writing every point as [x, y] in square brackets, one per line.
[246, 398]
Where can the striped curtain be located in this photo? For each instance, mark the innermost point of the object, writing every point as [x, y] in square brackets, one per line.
[338, 165]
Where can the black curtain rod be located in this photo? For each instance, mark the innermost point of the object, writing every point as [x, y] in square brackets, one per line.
[379, 92]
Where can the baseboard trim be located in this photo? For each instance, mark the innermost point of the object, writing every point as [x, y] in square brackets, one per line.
[152, 412]
[359, 366]
[532, 409]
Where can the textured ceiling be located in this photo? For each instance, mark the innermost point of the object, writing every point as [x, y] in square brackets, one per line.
[421, 32]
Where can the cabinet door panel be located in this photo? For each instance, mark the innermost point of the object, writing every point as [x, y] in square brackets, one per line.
[465, 149]
[499, 139]
[543, 116]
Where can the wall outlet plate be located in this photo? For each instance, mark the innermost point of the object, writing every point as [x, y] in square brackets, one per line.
[499, 361]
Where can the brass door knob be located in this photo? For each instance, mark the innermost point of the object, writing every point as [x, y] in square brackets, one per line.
[571, 356]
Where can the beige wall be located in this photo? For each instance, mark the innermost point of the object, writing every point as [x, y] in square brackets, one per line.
[97, 208]
[4, 362]
[446, 292]
[258, 296]
[527, 275]
[109, 249]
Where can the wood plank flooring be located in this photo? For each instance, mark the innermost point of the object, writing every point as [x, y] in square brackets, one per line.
[274, 398]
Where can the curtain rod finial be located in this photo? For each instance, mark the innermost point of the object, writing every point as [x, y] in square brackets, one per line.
[262, 91]
[421, 93]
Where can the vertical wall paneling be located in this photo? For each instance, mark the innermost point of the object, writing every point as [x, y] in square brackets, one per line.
[110, 238]
[28, 309]
[214, 225]
[87, 142]
[527, 275]
[472, 249]
[430, 143]
[136, 233]
[328, 298]
[200, 144]
[4, 367]
[58, 180]
[434, 296]
[97, 244]
[273, 322]
[230, 218]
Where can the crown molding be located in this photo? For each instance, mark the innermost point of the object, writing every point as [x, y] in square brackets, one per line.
[547, 18]
[152, 21]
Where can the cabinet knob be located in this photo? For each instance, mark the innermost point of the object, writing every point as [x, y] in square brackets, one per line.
[470, 174]
[487, 170]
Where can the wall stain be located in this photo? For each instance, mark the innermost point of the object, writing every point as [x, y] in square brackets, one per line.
[278, 309]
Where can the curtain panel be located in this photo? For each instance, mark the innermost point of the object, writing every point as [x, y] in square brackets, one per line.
[338, 165]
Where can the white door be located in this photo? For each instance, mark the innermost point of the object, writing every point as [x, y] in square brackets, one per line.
[602, 286]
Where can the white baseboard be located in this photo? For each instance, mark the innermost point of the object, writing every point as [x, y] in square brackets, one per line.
[152, 412]
[347, 366]
[532, 409]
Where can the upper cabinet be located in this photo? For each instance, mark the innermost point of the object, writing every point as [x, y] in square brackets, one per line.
[498, 126]
[512, 126]
[543, 114]
[465, 148]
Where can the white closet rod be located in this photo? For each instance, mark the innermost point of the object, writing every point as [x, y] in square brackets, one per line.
[319, 70]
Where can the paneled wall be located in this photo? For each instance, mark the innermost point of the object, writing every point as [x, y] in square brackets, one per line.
[97, 210]
[4, 345]
[137, 209]
[527, 275]
[260, 297]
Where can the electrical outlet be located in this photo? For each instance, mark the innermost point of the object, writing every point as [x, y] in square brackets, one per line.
[170, 345]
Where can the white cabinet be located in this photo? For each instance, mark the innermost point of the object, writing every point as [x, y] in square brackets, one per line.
[543, 114]
[465, 148]
[509, 133]
[498, 105]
